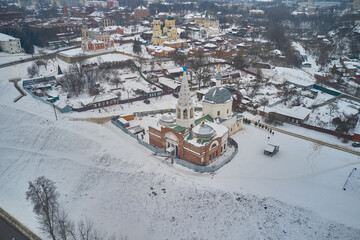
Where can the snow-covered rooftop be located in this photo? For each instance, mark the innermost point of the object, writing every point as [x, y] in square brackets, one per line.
[5, 38]
[104, 97]
[168, 82]
[295, 112]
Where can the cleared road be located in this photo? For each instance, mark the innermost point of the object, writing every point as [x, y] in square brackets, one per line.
[344, 149]
[46, 56]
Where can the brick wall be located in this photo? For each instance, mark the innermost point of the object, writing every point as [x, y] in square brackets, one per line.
[154, 140]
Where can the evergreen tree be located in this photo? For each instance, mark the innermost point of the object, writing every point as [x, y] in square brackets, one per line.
[59, 70]
[137, 46]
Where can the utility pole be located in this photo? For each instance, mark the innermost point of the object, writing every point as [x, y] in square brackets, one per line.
[128, 97]
[55, 112]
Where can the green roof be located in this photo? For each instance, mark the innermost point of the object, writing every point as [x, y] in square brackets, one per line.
[206, 117]
[176, 128]
[203, 141]
[190, 136]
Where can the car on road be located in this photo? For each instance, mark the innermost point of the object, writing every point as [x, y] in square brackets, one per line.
[355, 144]
[147, 101]
[176, 95]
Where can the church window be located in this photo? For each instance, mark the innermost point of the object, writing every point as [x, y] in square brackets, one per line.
[218, 113]
[228, 111]
[185, 114]
[179, 113]
[191, 113]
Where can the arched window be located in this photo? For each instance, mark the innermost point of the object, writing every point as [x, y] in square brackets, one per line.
[214, 145]
[185, 114]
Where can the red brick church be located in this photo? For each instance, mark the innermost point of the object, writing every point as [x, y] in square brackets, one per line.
[199, 141]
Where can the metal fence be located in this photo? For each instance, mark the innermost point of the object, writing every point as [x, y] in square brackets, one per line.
[201, 169]
[145, 144]
[38, 80]
[160, 111]
[67, 108]
[38, 98]
[207, 169]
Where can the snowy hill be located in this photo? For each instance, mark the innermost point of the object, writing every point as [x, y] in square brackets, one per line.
[106, 176]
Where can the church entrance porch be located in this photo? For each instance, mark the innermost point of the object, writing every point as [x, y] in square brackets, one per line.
[172, 144]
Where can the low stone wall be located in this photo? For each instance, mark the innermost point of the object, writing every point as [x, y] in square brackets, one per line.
[74, 59]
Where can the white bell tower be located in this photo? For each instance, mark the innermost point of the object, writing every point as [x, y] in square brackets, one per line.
[185, 106]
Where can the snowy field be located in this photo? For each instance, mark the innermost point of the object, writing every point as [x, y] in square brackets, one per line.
[103, 174]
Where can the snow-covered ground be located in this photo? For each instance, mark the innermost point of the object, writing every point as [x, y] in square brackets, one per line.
[128, 48]
[310, 59]
[20, 70]
[103, 174]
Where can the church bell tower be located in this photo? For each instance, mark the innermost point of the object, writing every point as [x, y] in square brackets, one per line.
[185, 106]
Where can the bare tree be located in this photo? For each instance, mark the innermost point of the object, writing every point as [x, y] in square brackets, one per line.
[33, 70]
[86, 231]
[74, 78]
[65, 228]
[239, 60]
[333, 108]
[53, 220]
[203, 76]
[42, 193]
[199, 68]
[255, 89]
[40, 63]
[259, 75]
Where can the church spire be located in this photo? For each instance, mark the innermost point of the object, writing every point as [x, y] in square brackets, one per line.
[184, 106]
[218, 77]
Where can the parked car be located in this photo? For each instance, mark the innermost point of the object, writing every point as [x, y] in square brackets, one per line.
[355, 144]
[176, 95]
[147, 101]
